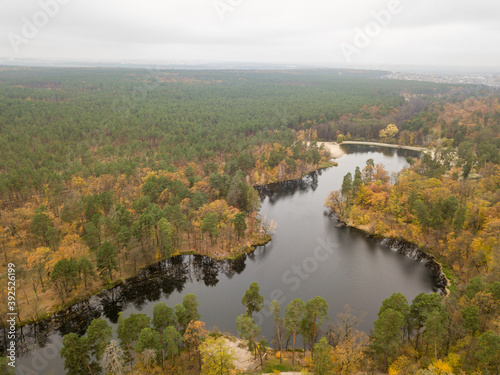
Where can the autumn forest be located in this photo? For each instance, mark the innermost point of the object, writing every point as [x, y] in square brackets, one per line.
[106, 171]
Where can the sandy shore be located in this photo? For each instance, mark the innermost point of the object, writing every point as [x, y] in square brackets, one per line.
[336, 151]
[334, 148]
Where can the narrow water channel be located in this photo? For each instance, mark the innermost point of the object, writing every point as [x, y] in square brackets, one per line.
[308, 256]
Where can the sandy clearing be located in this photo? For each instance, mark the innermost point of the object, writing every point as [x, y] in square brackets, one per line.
[245, 359]
[334, 148]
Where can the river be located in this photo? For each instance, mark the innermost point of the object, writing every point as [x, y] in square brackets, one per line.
[307, 257]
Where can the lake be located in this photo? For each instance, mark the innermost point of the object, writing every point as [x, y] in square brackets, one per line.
[307, 257]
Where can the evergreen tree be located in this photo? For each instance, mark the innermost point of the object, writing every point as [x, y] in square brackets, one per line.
[316, 312]
[171, 340]
[239, 224]
[294, 314]
[252, 300]
[149, 339]
[387, 334]
[99, 334]
[163, 317]
[75, 352]
[106, 260]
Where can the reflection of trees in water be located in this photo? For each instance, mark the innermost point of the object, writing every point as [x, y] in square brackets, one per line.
[206, 269]
[75, 319]
[234, 266]
[29, 336]
[163, 278]
[112, 305]
[41, 334]
[286, 188]
[310, 182]
[386, 151]
[80, 317]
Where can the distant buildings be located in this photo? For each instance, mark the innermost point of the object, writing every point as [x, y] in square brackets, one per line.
[492, 80]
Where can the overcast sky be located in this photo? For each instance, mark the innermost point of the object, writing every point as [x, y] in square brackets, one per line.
[344, 33]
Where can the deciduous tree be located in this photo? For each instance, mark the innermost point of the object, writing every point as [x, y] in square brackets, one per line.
[218, 358]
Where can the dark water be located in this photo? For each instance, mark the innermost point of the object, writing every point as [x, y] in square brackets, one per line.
[307, 257]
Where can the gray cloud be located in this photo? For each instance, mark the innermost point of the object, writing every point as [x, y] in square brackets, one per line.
[429, 32]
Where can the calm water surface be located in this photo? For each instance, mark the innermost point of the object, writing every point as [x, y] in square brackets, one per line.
[307, 257]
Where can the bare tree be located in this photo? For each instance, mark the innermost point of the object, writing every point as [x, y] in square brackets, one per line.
[113, 360]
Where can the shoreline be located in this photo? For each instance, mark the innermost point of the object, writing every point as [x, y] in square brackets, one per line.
[48, 316]
[408, 249]
[261, 241]
[391, 145]
[334, 148]
[336, 152]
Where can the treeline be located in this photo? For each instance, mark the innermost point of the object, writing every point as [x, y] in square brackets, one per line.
[430, 121]
[448, 203]
[60, 123]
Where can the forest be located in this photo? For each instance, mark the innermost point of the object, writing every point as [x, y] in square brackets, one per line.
[448, 203]
[105, 171]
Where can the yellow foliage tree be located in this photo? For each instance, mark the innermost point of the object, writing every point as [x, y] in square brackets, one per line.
[218, 358]
[37, 261]
[402, 366]
[389, 133]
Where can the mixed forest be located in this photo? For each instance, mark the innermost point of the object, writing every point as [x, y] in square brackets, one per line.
[448, 203]
[104, 171]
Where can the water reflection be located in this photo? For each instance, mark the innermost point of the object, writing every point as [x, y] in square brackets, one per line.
[153, 283]
[277, 191]
[386, 151]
